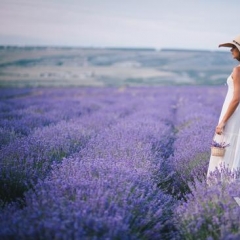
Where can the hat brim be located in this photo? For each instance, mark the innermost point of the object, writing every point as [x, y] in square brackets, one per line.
[227, 45]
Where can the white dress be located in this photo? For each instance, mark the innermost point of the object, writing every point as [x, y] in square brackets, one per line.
[231, 158]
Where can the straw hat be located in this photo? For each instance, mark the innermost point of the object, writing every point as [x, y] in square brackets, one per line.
[235, 42]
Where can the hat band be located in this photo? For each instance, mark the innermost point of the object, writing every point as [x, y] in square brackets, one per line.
[236, 42]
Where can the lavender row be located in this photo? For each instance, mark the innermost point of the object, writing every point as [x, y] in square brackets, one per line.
[107, 189]
[195, 113]
[27, 159]
[37, 108]
[195, 126]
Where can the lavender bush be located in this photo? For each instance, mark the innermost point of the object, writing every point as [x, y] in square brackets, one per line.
[211, 211]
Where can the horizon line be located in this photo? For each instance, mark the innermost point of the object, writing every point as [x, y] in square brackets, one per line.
[129, 48]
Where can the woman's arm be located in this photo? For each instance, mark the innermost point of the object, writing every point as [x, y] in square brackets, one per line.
[234, 102]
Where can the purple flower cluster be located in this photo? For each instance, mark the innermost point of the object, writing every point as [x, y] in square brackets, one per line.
[211, 211]
[104, 163]
[220, 144]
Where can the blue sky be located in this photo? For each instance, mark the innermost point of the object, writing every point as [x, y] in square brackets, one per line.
[199, 24]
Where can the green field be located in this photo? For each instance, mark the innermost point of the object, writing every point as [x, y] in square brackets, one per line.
[51, 66]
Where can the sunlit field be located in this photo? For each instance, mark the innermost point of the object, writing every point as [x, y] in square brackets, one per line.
[112, 163]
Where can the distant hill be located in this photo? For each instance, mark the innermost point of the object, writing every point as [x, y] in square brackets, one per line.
[71, 66]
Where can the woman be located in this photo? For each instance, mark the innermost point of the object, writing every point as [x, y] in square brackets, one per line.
[228, 128]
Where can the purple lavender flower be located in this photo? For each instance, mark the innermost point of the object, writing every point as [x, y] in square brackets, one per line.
[219, 145]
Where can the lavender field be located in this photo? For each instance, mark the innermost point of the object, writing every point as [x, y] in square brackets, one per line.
[112, 163]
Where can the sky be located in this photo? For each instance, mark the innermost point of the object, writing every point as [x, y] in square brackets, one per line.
[186, 24]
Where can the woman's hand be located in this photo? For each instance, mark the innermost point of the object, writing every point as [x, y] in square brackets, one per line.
[219, 128]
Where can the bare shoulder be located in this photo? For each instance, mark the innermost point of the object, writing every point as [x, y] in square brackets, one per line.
[236, 73]
[236, 70]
